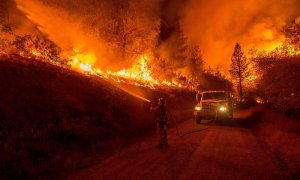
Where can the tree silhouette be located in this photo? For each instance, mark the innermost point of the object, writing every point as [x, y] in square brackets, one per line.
[195, 63]
[128, 27]
[239, 69]
[292, 33]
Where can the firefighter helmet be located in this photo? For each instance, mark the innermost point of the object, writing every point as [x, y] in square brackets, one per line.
[162, 101]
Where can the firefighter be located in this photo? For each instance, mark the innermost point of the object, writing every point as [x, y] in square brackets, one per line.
[161, 117]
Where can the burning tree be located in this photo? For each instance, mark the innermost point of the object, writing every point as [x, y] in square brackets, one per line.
[195, 63]
[278, 71]
[239, 69]
[174, 52]
[38, 47]
[5, 27]
[128, 28]
[292, 33]
[289, 47]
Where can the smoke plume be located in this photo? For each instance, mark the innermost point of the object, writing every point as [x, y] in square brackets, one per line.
[65, 30]
[109, 34]
[217, 25]
[93, 27]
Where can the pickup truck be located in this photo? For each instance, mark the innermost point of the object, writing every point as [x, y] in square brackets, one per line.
[213, 105]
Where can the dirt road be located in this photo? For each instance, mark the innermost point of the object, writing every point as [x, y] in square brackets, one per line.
[219, 152]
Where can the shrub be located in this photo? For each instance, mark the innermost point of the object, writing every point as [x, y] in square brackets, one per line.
[280, 84]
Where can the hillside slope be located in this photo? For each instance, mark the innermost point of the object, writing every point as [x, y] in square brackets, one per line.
[55, 119]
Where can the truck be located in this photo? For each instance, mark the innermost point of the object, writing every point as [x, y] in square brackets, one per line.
[213, 105]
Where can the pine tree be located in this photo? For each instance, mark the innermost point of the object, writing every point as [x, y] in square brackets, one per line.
[195, 62]
[239, 69]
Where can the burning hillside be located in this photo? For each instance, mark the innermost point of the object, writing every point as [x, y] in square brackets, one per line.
[147, 43]
[65, 119]
[79, 46]
[140, 73]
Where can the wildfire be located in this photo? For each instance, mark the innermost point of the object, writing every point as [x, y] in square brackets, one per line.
[141, 71]
[289, 50]
[82, 61]
[35, 53]
[140, 74]
[85, 67]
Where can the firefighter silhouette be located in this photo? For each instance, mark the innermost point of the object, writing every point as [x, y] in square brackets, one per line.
[160, 112]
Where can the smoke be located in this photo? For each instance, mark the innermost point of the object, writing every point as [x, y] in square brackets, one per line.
[93, 27]
[10, 15]
[217, 25]
[112, 32]
[66, 30]
[172, 44]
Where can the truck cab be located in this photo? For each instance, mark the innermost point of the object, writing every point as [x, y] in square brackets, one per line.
[213, 105]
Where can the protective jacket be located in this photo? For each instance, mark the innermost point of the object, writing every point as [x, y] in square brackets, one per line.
[161, 115]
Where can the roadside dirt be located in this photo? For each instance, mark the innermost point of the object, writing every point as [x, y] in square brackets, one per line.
[219, 152]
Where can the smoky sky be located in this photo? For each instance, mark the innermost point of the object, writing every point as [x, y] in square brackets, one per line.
[216, 25]
[171, 11]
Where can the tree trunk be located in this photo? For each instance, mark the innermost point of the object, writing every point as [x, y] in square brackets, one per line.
[124, 50]
[241, 89]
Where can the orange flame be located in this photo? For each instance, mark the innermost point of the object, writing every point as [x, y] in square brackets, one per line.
[139, 74]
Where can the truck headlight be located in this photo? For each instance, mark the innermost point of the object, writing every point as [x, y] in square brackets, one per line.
[222, 108]
[198, 108]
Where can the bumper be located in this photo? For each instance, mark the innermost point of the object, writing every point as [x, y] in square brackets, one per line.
[211, 114]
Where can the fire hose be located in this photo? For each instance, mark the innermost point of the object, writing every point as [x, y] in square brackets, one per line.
[193, 131]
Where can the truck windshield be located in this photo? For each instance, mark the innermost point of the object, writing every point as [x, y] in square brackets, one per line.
[214, 95]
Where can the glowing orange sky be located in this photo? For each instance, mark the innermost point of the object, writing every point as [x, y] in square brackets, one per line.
[216, 25]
